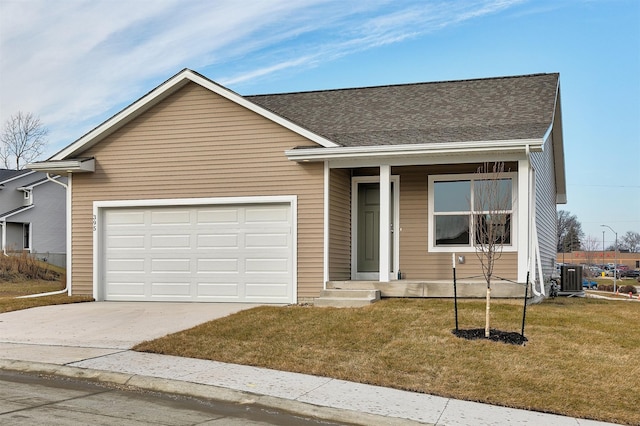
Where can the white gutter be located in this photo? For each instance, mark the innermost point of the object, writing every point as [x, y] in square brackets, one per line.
[64, 166]
[67, 288]
[321, 154]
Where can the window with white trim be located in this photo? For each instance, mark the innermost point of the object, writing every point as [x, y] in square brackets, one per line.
[461, 211]
[26, 236]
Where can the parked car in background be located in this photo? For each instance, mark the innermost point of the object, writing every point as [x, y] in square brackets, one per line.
[630, 273]
[595, 271]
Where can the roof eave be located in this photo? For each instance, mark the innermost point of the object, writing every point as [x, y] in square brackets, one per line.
[64, 167]
[441, 148]
[15, 212]
[558, 151]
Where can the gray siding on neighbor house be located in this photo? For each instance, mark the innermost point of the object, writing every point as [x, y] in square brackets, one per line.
[14, 236]
[47, 218]
[546, 216]
[10, 197]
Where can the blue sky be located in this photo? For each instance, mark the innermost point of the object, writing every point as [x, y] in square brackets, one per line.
[78, 63]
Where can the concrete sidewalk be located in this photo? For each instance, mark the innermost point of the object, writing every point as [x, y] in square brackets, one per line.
[321, 397]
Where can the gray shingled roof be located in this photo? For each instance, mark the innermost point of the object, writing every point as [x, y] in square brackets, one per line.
[8, 174]
[505, 108]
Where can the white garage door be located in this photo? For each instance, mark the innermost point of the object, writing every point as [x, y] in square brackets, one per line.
[224, 253]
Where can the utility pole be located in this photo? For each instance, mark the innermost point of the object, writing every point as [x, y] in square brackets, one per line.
[615, 258]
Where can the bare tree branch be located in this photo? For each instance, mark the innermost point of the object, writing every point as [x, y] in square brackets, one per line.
[22, 140]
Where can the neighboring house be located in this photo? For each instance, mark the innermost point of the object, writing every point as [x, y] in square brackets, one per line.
[32, 215]
[197, 193]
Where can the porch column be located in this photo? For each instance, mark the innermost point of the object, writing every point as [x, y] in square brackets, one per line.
[385, 223]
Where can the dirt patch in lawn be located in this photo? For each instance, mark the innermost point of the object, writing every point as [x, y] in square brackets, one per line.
[509, 337]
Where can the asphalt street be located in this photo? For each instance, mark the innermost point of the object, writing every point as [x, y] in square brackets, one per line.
[27, 399]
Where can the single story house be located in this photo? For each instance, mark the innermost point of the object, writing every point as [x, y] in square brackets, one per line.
[196, 193]
[32, 214]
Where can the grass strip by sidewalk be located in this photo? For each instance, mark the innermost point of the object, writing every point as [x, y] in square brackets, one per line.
[9, 290]
[581, 358]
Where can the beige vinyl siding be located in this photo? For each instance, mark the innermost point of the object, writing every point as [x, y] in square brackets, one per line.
[416, 263]
[196, 144]
[546, 216]
[340, 225]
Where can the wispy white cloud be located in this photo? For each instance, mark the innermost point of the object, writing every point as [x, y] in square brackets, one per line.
[74, 63]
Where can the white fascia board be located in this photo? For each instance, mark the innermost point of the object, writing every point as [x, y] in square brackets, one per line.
[164, 90]
[4, 218]
[64, 166]
[42, 182]
[444, 148]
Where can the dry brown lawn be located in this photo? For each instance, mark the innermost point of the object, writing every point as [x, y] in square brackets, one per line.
[20, 276]
[581, 359]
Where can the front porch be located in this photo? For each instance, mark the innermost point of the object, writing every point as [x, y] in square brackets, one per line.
[434, 288]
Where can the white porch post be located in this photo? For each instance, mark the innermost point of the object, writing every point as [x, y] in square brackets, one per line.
[524, 220]
[325, 262]
[385, 222]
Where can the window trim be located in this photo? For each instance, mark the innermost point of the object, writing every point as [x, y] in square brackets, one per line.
[432, 247]
[26, 236]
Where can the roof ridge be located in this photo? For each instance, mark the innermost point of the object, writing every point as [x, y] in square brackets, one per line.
[419, 83]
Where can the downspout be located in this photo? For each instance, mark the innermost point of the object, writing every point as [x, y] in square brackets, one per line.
[534, 247]
[67, 288]
[4, 238]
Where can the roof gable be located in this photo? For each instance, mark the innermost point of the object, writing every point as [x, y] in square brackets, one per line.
[161, 92]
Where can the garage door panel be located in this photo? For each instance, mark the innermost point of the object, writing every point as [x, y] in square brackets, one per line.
[270, 240]
[218, 265]
[162, 289]
[266, 266]
[227, 216]
[213, 241]
[126, 265]
[170, 217]
[261, 215]
[123, 218]
[199, 253]
[266, 290]
[126, 242]
[127, 288]
[222, 289]
[170, 266]
[177, 241]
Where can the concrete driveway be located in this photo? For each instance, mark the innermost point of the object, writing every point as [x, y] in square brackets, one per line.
[109, 325]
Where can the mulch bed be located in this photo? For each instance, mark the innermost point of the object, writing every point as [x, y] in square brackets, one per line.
[509, 337]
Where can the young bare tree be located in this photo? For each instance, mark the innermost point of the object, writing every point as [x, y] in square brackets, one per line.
[22, 140]
[590, 246]
[492, 205]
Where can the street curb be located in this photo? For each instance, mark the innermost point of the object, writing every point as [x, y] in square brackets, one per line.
[198, 390]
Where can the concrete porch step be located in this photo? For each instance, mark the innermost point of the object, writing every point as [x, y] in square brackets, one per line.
[346, 298]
